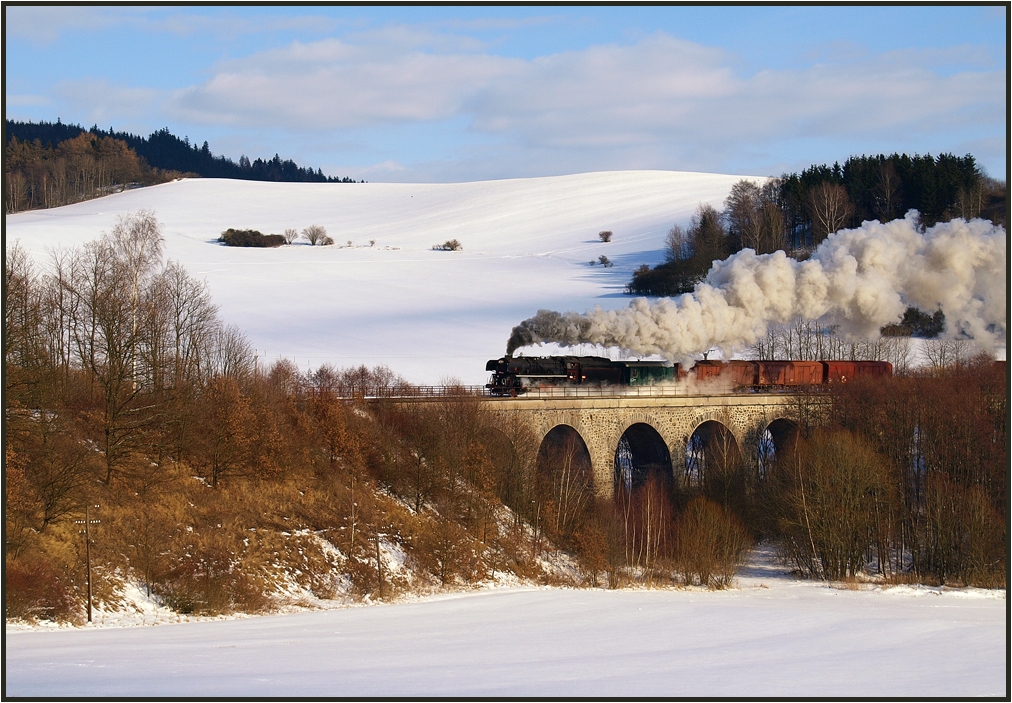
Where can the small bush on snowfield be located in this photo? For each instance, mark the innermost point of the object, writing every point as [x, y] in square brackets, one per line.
[450, 245]
[317, 235]
[250, 238]
[604, 235]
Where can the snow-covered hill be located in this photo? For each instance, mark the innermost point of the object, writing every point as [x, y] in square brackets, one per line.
[389, 298]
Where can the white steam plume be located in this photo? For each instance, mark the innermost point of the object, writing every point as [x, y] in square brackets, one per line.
[860, 279]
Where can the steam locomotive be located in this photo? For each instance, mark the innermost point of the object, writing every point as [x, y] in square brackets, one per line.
[513, 376]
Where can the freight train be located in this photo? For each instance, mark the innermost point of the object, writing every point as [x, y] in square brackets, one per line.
[513, 376]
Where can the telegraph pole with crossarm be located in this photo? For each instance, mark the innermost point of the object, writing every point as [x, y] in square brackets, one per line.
[88, 522]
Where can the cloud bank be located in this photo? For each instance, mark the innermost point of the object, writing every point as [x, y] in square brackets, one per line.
[604, 96]
[444, 101]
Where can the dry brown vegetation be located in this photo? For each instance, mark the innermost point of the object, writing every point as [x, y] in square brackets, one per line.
[225, 486]
[908, 478]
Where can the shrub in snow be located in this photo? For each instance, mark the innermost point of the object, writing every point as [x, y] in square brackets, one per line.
[831, 501]
[250, 238]
[450, 245]
[36, 590]
[711, 543]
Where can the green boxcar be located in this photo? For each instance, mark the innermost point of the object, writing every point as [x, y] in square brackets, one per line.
[647, 373]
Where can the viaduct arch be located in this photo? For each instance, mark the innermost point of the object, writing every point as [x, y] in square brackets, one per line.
[603, 422]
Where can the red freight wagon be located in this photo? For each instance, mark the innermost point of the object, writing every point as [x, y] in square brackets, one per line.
[706, 369]
[789, 373]
[743, 373]
[843, 371]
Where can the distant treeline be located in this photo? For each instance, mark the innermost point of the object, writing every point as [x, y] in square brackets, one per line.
[886, 187]
[85, 166]
[31, 143]
[797, 211]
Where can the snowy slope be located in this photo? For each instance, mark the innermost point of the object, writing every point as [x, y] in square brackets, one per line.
[771, 636]
[426, 314]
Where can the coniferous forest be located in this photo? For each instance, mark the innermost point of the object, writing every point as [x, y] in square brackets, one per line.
[49, 164]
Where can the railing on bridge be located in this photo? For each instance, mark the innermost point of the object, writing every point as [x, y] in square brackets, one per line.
[545, 392]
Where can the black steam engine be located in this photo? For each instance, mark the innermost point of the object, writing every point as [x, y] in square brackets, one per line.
[514, 375]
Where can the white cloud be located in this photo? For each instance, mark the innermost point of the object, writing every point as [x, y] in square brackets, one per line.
[45, 25]
[661, 88]
[229, 24]
[104, 102]
[334, 84]
[608, 97]
[606, 94]
[502, 23]
[403, 37]
[27, 100]
[658, 102]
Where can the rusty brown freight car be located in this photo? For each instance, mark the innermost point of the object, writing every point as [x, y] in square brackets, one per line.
[706, 370]
[843, 371]
[743, 373]
[783, 374]
[740, 373]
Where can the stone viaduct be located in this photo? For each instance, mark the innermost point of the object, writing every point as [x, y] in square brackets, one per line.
[669, 431]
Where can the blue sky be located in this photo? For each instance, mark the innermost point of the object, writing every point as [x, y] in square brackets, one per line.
[469, 93]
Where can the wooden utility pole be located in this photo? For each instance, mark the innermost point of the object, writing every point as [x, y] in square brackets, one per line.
[87, 548]
[379, 565]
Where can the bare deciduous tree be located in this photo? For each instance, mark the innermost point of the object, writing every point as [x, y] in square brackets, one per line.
[886, 191]
[316, 235]
[943, 353]
[840, 485]
[830, 208]
[742, 210]
[970, 200]
[677, 246]
[711, 543]
[290, 235]
[138, 242]
[755, 215]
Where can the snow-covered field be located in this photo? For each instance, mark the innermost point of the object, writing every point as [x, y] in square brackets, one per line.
[769, 636]
[426, 314]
